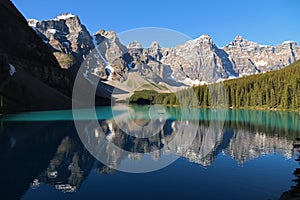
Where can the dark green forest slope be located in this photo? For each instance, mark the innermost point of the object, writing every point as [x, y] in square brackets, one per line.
[273, 90]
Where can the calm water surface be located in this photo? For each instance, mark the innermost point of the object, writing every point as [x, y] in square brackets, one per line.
[238, 154]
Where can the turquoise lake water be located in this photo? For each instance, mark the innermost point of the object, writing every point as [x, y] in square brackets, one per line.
[187, 154]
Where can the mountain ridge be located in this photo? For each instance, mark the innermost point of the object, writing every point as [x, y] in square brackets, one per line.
[196, 61]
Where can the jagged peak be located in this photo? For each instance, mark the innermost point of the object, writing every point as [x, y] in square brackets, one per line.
[203, 37]
[155, 45]
[242, 42]
[32, 22]
[65, 16]
[134, 45]
[106, 33]
[239, 38]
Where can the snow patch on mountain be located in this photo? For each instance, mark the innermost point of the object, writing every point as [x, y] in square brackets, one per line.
[189, 81]
[12, 70]
[261, 63]
[52, 30]
[32, 22]
[109, 70]
[65, 16]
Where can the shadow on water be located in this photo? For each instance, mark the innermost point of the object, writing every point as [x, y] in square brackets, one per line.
[28, 147]
[294, 192]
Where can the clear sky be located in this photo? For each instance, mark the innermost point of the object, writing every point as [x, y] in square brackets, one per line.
[264, 21]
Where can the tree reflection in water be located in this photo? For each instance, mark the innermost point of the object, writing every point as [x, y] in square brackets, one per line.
[294, 193]
[51, 153]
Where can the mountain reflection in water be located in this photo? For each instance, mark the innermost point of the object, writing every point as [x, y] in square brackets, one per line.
[35, 154]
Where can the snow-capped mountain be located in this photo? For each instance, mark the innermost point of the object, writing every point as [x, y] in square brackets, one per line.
[65, 35]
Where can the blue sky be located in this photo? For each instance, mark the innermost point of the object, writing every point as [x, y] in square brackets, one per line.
[263, 21]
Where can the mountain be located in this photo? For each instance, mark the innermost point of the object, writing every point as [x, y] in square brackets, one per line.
[250, 58]
[111, 52]
[202, 60]
[65, 35]
[194, 62]
[31, 78]
[199, 59]
[34, 65]
[133, 67]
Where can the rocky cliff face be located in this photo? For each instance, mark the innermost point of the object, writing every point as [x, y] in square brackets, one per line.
[196, 61]
[200, 60]
[33, 78]
[65, 34]
[112, 55]
[249, 57]
[109, 45]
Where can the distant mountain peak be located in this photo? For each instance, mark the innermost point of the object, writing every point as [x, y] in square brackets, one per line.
[240, 41]
[239, 38]
[106, 33]
[203, 37]
[134, 45]
[155, 45]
